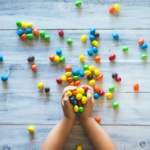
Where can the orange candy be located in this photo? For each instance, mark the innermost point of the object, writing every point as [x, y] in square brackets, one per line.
[74, 92]
[141, 41]
[77, 83]
[97, 119]
[112, 9]
[69, 79]
[35, 32]
[51, 57]
[68, 68]
[99, 77]
[34, 67]
[97, 58]
[23, 37]
[136, 87]
[96, 88]
[71, 84]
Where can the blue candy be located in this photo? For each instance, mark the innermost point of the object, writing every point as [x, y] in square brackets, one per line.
[28, 30]
[92, 37]
[96, 95]
[115, 36]
[90, 52]
[58, 51]
[4, 78]
[75, 72]
[81, 74]
[1, 58]
[92, 31]
[78, 113]
[20, 32]
[95, 49]
[73, 96]
[144, 46]
[75, 102]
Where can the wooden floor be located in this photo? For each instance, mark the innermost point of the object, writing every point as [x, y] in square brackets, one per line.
[21, 104]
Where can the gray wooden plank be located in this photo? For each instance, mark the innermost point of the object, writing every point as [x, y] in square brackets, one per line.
[18, 50]
[125, 137]
[64, 14]
[36, 108]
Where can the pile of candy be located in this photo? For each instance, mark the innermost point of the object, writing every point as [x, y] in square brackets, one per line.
[25, 31]
[114, 8]
[59, 57]
[78, 98]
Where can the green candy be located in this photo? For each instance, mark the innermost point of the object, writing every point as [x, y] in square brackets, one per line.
[47, 37]
[81, 109]
[78, 3]
[75, 78]
[115, 104]
[86, 67]
[69, 41]
[111, 88]
[30, 36]
[125, 48]
[144, 56]
[84, 94]
[18, 23]
[42, 33]
[62, 59]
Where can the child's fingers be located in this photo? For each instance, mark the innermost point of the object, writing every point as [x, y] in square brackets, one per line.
[69, 88]
[90, 88]
[90, 96]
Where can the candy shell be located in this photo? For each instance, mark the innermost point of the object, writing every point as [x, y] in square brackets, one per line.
[75, 102]
[117, 7]
[40, 86]
[91, 68]
[68, 74]
[114, 75]
[81, 90]
[77, 83]
[112, 9]
[61, 33]
[95, 49]
[92, 37]
[4, 78]
[99, 77]
[97, 119]
[96, 95]
[92, 82]
[59, 81]
[144, 46]
[1, 58]
[109, 95]
[23, 37]
[69, 79]
[31, 59]
[87, 72]
[34, 68]
[144, 56]
[81, 74]
[47, 89]
[125, 48]
[101, 93]
[97, 59]
[35, 32]
[81, 109]
[76, 108]
[57, 58]
[30, 36]
[20, 32]
[28, 30]
[79, 147]
[90, 77]
[42, 33]
[31, 129]
[62, 58]
[78, 3]
[74, 92]
[92, 31]
[52, 57]
[29, 25]
[115, 36]
[75, 78]
[23, 25]
[95, 43]
[79, 96]
[96, 72]
[141, 41]
[75, 72]
[111, 88]
[118, 79]
[69, 41]
[71, 83]
[97, 35]
[85, 88]
[96, 88]
[69, 93]
[18, 23]
[58, 51]
[47, 37]
[112, 57]
[85, 67]
[115, 104]
[83, 38]
[90, 52]
[63, 78]
[84, 99]
[136, 87]
[81, 58]
[68, 68]
[80, 104]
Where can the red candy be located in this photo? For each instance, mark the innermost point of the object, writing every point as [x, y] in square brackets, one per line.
[101, 93]
[85, 88]
[118, 79]
[61, 33]
[58, 80]
[112, 57]
[80, 103]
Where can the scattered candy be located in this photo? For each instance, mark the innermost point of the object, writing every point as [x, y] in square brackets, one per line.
[112, 57]
[115, 36]
[87, 72]
[95, 43]
[99, 77]
[68, 68]
[34, 68]
[79, 147]
[28, 30]
[75, 72]
[4, 78]
[109, 95]
[101, 93]
[90, 52]
[141, 41]
[1, 58]
[31, 59]
[90, 77]
[115, 104]
[62, 58]
[31, 129]
[96, 95]
[144, 46]
[81, 74]
[56, 59]
[97, 35]
[96, 72]
[117, 7]
[61, 33]
[52, 57]
[95, 49]
[111, 88]
[35, 32]
[136, 87]
[41, 86]
[83, 38]
[30, 36]
[47, 37]
[81, 58]
[23, 25]
[92, 82]
[42, 33]
[64, 78]
[18, 23]
[23, 37]
[114, 75]
[59, 81]
[91, 68]
[118, 79]
[47, 89]
[85, 67]
[75, 78]
[29, 25]
[125, 48]
[68, 74]
[20, 32]
[96, 88]
[97, 59]
[97, 119]
[92, 37]
[92, 31]
[69, 41]
[58, 51]
[78, 3]
[144, 56]
[77, 83]
[112, 9]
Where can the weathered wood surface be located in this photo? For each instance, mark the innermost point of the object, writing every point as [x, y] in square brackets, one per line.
[53, 14]
[125, 137]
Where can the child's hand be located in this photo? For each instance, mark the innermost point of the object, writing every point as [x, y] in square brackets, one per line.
[88, 107]
[66, 105]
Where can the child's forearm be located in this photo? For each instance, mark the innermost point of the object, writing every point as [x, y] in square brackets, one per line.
[99, 138]
[57, 137]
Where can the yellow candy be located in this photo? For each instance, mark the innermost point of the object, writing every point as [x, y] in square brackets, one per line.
[80, 90]
[117, 7]
[63, 78]
[31, 129]
[95, 43]
[91, 68]
[81, 58]
[96, 72]
[84, 100]
[68, 74]
[41, 85]
[23, 25]
[29, 25]
[57, 58]
[75, 108]
[83, 38]
[79, 147]
[92, 82]
[79, 96]
[69, 93]
[87, 72]
[109, 95]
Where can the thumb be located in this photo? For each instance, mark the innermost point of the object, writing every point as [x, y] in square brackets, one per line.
[90, 96]
[66, 97]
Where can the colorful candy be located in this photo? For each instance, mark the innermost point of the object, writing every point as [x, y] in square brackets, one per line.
[112, 57]
[61, 33]
[47, 37]
[31, 129]
[23, 25]
[64, 78]
[52, 57]
[31, 59]
[30, 36]
[96, 88]
[115, 36]
[141, 41]
[58, 51]
[40, 86]
[92, 37]
[20, 32]
[79, 147]
[1, 58]
[4, 78]
[47, 89]
[90, 77]
[101, 93]
[115, 104]
[83, 38]
[91, 68]
[75, 72]
[118, 79]
[28, 30]
[23, 37]
[144, 46]
[69, 41]
[81, 74]
[125, 48]
[35, 32]
[136, 87]
[97, 119]
[68, 68]
[97, 59]
[85, 67]
[18, 23]
[68, 74]
[29, 25]
[62, 59]
[42, 33]
[81, 58]
[144, 56]
[111, 88]
[92, 31]
[96, 72]
[92, 82]
[95, 49]
[97, 35]
[114, 75]
[96, 95]
[90, 52]
[95, 43]
[112, 9]
[59, 81]
[109, 95]
[34, 68]
[117, 7]
[78, 3]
